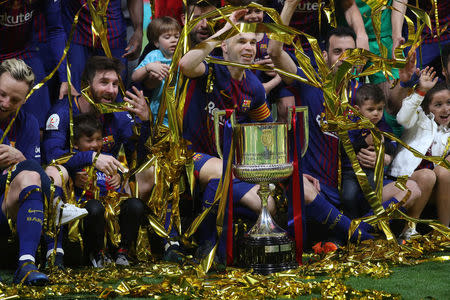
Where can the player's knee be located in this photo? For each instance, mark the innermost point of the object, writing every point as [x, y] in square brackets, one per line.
[442, 174]
[415, 193]
[95, 209]
[133, 207]
[27, 178]
[59, 175]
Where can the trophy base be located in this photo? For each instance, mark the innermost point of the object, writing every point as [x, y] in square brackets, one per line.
[266, 255]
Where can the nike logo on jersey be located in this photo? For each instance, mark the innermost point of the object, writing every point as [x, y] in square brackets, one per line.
[32, 211]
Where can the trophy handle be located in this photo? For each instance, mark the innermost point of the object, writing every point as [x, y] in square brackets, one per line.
[304, 110]
[217, 115]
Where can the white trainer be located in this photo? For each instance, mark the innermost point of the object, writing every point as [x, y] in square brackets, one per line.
[409, 233]
[70, 213]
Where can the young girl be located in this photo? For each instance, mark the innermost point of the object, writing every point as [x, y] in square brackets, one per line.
[425, 115]
[163, 33]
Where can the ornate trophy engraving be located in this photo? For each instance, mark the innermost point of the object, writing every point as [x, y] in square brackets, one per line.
[261, 157]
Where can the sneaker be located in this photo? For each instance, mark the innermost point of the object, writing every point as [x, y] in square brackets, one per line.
[100, 260]
[59, 262]
[122, 257]
[328, 247]
[174, 254]
[70, 213]
[409, 233]
[318, 248]
[28, 274]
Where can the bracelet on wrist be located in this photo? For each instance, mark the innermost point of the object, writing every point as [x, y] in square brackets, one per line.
[420, 92]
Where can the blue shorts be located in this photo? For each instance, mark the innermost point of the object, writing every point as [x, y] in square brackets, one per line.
[3, 219]
[199, 160]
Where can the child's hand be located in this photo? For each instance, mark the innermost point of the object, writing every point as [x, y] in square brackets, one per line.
[267, 61]
[427, 79]
[80, 179]
[369, 140]
[157, 70]
[114, 181]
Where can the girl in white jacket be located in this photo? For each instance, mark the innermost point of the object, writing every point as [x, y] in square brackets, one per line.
[425, 115]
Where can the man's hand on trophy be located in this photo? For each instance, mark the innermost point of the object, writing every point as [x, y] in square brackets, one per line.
[315, 182]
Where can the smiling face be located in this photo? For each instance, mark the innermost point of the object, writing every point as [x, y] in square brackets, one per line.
[241, 48]
[167, 43]
[201, 31]
[12, 94]
[440, 107]
[90, 143]
[105, 86]
[254, 15]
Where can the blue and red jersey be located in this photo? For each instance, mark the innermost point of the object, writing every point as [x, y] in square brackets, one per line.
[114, 20]
[247, 97]
[24, 135]
[443, 8]
[322, 157]
[306, 19]
[358, 140]
[117, 130]
[17, 18]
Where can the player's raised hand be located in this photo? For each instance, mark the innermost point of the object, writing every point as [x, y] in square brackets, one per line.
[138, 104]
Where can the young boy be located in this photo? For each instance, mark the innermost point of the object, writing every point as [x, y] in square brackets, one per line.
[87, 131]
[163, 33]
[370, 102]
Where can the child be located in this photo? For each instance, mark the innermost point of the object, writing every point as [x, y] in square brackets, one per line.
[425, 115]
[87, 131]
[163, 33]
[275, 91]
[370, 102]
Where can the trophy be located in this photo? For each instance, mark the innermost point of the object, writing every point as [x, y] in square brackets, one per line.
[261, 157]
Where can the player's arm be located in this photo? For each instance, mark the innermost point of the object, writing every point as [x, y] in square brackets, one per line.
[191, 64]
[57, 41]
[397, 18]
[134, 47]
[355, 21]
[275, 50]
[31, 149]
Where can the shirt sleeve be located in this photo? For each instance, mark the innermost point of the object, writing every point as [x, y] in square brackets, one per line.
[31, 150]
[57, 36]
[259, 111]
[56, 141]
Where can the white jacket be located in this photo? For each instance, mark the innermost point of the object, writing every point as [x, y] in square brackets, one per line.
[421, 132]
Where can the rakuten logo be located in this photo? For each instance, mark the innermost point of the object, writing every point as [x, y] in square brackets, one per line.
[306, 6]
[17, 20]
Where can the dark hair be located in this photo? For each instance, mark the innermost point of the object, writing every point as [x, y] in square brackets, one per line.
[159, 26]
[441, 86]
[341, 31]
[200, 3]
[99, 63]
[367, 92]
[85, 125]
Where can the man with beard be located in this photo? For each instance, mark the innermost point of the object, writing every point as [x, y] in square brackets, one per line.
[233, 88]
[101, 75]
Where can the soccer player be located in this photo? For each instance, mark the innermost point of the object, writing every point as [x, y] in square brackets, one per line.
[101, 75]
[17, 19]
[83, 44]
[321, 159]
[233, 88]
[20, 155]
